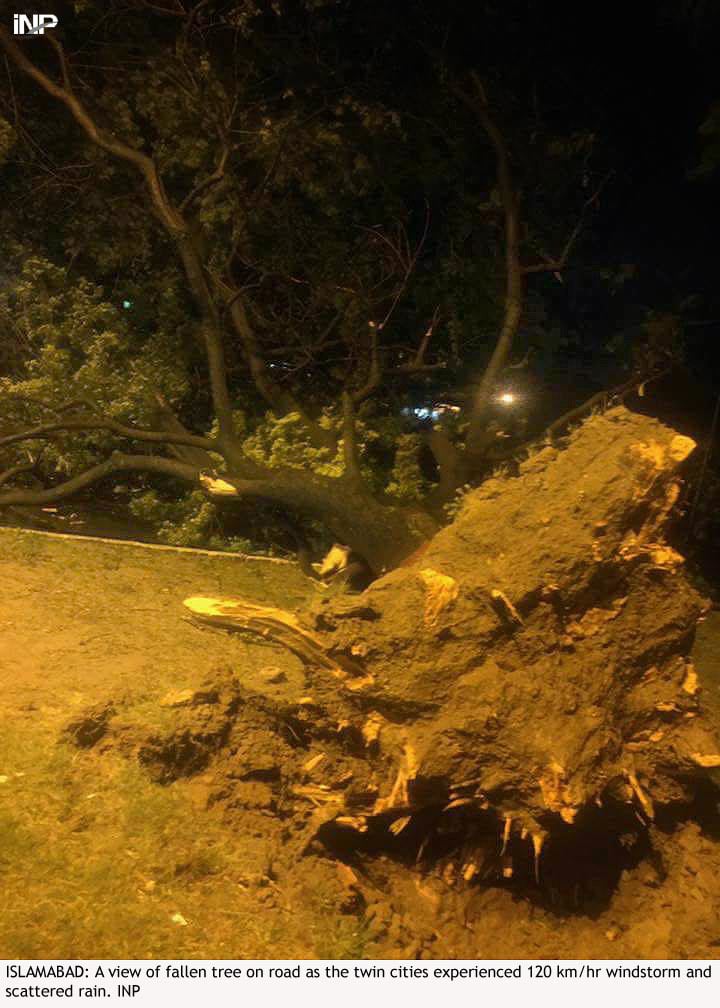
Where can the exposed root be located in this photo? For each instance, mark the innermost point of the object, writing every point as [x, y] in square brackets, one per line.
[644, 800]
[538, 840]
[506, 833]
[441, 592]
[278, 625]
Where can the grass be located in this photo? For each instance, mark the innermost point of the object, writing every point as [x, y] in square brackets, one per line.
[98, 862]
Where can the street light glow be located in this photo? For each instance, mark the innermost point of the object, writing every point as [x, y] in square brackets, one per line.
[506, 398]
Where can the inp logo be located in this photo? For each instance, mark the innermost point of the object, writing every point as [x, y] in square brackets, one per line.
[33, 24]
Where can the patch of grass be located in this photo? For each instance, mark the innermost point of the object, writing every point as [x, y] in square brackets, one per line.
[347, 938]
[97, 861]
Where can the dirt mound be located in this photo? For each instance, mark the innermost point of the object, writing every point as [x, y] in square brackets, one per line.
[532, 663]
[612, 884]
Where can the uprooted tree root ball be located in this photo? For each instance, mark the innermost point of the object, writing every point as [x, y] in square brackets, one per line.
[518, 699]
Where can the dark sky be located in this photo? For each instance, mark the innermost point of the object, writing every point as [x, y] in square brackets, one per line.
[647, 75]
[653, 82]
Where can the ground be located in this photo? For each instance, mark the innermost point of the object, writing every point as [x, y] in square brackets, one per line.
[103, 854]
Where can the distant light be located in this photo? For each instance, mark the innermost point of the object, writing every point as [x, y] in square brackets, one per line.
[127, 304]
[506, 398]
[421, 412]
[433, 412]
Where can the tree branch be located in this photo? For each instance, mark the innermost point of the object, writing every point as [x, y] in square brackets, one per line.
[178, 11]
[166, 419]
[375, 373]
[169, 215]
[107, 423]
[450, 468]
[604, 395]
[558, 265]
[409, 260]
[216, 176]
[418, 364]
[351, 454]
[475, 444]
[116, 463]
[281, 400]
[8, 474]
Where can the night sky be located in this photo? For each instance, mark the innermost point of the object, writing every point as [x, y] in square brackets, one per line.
[650, 80]
[647, 75]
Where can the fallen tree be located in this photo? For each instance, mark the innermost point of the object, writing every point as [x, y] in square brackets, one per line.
[531, 664]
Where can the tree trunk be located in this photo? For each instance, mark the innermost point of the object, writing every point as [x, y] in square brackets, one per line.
[385, 535]
[532, 663]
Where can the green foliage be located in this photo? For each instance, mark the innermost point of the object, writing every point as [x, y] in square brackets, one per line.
[188, 520]
[193, 520]
[308, 171]
[285, 442]
[406, 483]
[71, 344]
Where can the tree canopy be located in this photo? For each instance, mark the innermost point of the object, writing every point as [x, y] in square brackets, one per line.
[287, 252]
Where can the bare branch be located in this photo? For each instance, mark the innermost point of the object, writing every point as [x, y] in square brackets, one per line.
[603, 396]
[217, 176]
[411, 368]
[177, 11]
[418, 362]
[281, 400]
[558, 265]
[407, 258]
[167, 419]
[168, 214]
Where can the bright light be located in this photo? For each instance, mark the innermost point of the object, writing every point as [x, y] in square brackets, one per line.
[506, 398]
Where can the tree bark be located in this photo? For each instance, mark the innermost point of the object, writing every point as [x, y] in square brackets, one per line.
[384, 535]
